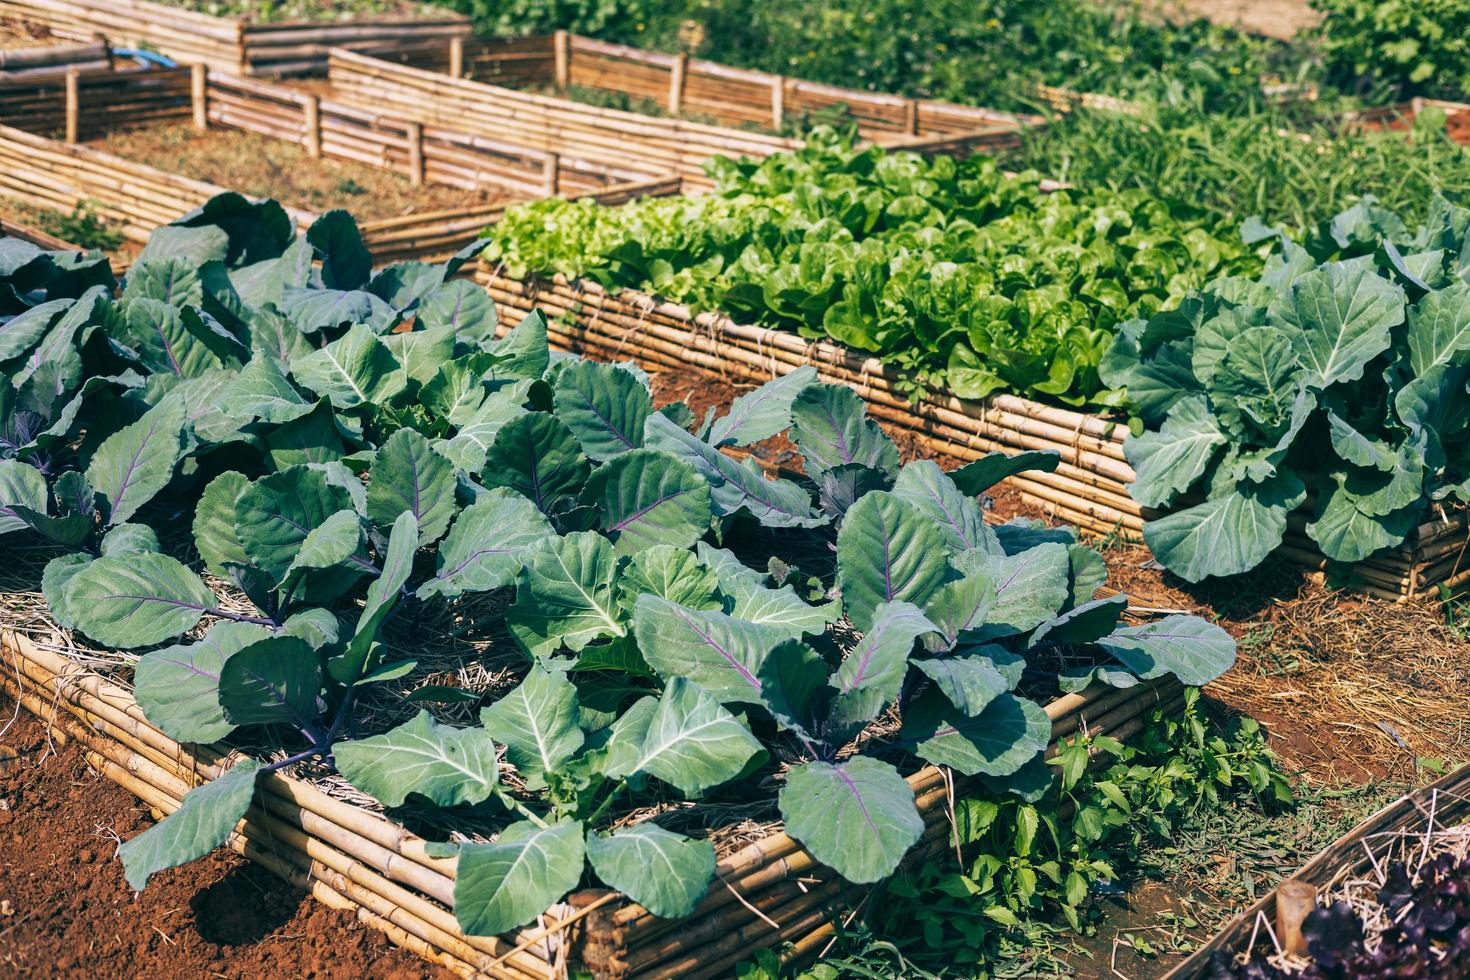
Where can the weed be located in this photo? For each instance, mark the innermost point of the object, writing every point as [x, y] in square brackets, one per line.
[82, 227]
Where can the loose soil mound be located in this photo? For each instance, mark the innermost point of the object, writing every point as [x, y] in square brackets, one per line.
[65, 910]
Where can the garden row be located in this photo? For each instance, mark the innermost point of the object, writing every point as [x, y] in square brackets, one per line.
[864, 262]
[1008, 53]
[388, 488]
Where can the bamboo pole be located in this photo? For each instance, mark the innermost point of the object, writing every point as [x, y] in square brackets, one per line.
[73, 104]
[562, 52]
[456, 56]
[311, 110]
[677, 74]
[778, 102]
[198, 98]
[551, 175]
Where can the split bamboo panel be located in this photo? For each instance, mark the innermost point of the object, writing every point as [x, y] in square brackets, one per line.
[134, 197]
[228, 43]
[1089, 488]
[1443, 803]
[368, 136]
[726, 95]
[282, 50]
[649, 145]
[51, 59]
[184, 35]
[106, 100]
[768, 893]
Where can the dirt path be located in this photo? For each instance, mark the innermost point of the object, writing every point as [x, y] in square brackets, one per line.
[1271, 18]
[65, 910]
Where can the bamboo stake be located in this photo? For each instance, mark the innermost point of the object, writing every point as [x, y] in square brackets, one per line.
[562, 52]
[311, 109]
[551, 175]
[73, 102]
[456, 57]
[677, 74]
[198, 86]
[1295, 900]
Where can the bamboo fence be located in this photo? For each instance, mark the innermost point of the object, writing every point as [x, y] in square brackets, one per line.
[768, 893]
[706, 90]
[137, 198]
[1089, 488]
[50, 59]
[626, 140]
[618, 137]
[437, 154]
[233, 44]
[86, 104]
[1444, 803]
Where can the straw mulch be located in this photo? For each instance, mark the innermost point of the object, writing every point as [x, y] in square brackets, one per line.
[1350, 687]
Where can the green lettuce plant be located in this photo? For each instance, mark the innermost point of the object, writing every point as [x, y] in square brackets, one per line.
[975, 280]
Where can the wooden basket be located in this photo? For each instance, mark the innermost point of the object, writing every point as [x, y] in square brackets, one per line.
[1088, 490]
[768, 893]
[1445, 803]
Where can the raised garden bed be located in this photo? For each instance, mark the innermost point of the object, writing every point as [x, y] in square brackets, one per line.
[580, 594]
[627, 139]
[231, 44]
[1401, 832]
[1089, 488]
[93, 104]
[769, 892]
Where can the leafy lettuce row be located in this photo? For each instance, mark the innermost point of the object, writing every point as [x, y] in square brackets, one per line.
[976, 280]
[1337, 378]
[343, 445]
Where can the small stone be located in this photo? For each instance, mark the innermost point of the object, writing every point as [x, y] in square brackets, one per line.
[6, 909]
[86, 857]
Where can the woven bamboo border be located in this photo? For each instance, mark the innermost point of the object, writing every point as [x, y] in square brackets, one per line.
[229, 43]
[678, 84]
[1089, 488]
[49, 59]
[769, 892]
[137, 198]
[1445, 802]
[86, 104]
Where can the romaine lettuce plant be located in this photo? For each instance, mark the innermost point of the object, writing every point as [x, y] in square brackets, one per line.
[1338, 377]
[975, 280]
[338, 445]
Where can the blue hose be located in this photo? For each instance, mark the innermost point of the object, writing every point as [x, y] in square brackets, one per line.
[152, 58]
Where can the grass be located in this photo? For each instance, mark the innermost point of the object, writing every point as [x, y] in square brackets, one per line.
[1179, 892]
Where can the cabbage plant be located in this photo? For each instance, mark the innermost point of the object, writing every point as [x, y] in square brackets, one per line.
[257, 451]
